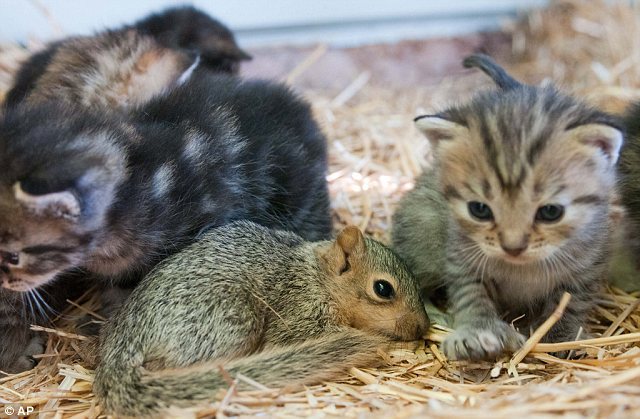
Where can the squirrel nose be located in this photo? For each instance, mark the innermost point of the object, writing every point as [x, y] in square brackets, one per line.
[423, 325]
[422, 329]
[514, 251]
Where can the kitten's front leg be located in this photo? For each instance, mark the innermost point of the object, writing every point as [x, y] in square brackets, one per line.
[479, 332]
[19, 344]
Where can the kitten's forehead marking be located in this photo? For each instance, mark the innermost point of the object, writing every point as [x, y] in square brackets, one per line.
[515, 130]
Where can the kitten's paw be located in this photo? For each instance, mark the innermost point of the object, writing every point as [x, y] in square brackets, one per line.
[25, 361]
[482, 342]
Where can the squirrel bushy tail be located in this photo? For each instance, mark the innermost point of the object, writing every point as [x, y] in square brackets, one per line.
[142, 392]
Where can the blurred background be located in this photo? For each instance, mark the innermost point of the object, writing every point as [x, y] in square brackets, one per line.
[336, 22]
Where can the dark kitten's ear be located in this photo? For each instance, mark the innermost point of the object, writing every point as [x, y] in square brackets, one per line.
[237, 53]
[63, 204]
[438, 129]
[605, 140]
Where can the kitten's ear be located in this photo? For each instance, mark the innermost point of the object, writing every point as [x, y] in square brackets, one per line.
[603, 138]
[437, 129]
[63, 204]
[238, 53]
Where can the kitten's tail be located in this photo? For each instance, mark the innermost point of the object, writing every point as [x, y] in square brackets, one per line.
[492, 69]
[135, 391]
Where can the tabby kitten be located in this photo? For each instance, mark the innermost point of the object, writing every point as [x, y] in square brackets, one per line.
[513, 213]
[113, 196]
[630, 193]
[120, 68]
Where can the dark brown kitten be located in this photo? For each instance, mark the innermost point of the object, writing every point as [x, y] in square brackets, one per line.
[117, 69]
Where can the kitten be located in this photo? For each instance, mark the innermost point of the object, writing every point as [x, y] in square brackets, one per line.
[117, 69]
[112, 196]
[630, 190]
[513, 213]
[187, 28]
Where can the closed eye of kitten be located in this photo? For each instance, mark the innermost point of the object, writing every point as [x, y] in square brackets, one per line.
[514, 212]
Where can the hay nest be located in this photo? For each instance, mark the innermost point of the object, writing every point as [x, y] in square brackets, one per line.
[590, 47]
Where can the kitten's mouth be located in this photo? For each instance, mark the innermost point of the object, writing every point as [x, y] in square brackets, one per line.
[521, 259]
[16, 284]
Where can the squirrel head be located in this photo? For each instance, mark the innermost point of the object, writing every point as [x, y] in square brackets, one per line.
[372, 287]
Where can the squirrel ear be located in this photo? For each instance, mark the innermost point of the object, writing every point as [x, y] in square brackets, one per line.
[436, 128]
[604, 139]
[63, 204]
[336, 255]
[350, 239]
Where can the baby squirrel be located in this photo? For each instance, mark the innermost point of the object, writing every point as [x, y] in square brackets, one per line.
[266, 304]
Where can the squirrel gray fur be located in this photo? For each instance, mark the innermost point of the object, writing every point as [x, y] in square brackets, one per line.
[258, 302]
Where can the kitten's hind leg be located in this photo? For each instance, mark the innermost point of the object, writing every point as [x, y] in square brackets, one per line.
[479, 332]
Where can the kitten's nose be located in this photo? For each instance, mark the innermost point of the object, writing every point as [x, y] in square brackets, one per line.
[11, 258]
[514, 251]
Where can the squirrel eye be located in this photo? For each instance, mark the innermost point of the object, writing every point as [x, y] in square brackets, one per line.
[383, 289]
[480, 211]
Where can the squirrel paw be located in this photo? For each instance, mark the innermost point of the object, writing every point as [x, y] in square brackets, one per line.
[482, 342]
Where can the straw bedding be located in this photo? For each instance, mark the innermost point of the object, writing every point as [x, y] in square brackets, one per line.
[589, 47]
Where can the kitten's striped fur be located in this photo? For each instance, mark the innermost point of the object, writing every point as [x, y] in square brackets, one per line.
[516, 149]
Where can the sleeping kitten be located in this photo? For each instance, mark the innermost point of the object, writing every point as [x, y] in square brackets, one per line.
[113, 196]
[513, 213]
[117, 69]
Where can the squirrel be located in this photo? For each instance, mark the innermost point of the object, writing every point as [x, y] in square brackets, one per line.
[263, 303]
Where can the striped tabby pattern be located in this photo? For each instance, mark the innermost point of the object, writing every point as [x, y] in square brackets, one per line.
[514, 212]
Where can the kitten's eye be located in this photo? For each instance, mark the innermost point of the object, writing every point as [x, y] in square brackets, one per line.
[383, 289]
[550, 213]
[480, 211]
